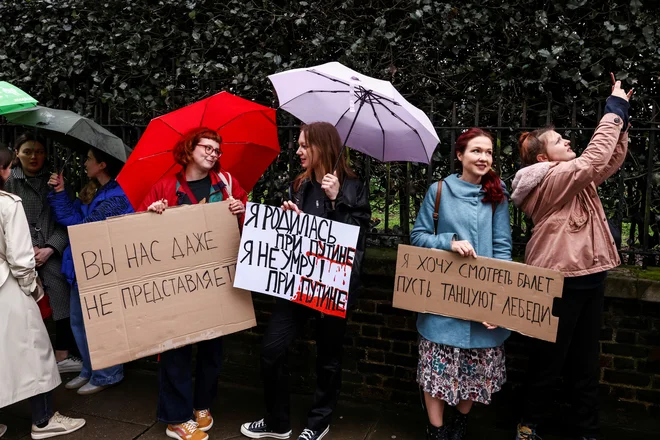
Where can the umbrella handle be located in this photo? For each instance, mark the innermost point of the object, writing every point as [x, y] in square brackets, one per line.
[66, 161]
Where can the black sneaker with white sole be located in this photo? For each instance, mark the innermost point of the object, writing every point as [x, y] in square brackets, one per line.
[259, 429]
[309, 434]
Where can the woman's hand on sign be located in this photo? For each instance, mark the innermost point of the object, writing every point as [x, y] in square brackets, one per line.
[330, 184]
[290, 206]
[618, 91]
[489, 326]
[463, 247]
[56, 181]
[158, 206]
[236, 206]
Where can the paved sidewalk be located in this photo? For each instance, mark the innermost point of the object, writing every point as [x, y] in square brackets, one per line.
[127, 412]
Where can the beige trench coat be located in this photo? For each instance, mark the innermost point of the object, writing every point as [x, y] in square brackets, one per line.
[27, 361]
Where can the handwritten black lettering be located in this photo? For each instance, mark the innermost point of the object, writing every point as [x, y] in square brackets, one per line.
[405, 263]
[97, 265]
[538, 283]
[252, 219]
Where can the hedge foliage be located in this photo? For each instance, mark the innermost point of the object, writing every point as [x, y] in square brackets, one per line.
[135, 59]
[141, 56]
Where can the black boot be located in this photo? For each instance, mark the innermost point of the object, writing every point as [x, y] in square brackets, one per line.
[458, 427]
[435, 433]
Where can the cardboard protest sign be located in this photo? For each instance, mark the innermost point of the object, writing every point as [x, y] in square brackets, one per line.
[300, 258]
[150, 283]
[503, 293]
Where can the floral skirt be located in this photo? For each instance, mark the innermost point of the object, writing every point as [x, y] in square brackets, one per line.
[454, 374]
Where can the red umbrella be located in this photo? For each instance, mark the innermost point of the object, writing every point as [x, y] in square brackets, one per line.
[249, 142]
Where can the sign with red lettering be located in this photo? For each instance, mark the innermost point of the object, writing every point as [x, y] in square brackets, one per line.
[504, 293]
[297, 257]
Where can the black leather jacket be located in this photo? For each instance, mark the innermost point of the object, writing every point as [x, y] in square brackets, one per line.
[351, 207]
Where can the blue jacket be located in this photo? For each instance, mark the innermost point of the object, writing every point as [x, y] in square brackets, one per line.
[463, 215]
[109, 201]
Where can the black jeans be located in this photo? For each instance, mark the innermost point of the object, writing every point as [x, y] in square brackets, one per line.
[576, 350]
[286, 322]
[175, 399]
[42, 408]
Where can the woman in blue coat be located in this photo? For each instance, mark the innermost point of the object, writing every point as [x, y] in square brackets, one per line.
[462, 362]
[101, 198]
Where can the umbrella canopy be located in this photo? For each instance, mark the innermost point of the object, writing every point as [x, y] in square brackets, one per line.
[12, 98]
[71, 130]
[249, 142]
[369, 113]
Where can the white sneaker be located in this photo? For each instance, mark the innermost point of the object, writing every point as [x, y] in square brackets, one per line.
[3, 429]
[76, 383]
[71, 364]
[57, 425]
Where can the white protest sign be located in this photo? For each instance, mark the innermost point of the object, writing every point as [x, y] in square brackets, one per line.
[300, 258]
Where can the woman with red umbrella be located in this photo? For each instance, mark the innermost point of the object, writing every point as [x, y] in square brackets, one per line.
[188, 416]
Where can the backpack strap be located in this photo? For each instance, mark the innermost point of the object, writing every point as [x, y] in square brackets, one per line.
[226, 182]
[436, 210]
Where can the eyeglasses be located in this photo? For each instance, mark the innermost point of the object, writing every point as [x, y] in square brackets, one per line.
[210, 150]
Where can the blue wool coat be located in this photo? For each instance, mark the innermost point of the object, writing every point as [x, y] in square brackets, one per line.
[109, 201]
[463, 216]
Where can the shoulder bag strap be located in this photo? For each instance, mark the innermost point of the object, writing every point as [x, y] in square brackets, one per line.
[436, 210]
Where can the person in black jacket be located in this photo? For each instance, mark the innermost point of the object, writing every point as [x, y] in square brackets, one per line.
[336, 195]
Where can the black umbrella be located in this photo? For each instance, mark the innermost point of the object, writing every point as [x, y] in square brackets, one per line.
[71, 129]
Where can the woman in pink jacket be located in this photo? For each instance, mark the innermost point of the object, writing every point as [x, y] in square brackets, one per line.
[571, 235]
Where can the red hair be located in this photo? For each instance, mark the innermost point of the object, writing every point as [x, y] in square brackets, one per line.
[183, 150]
[491, 182]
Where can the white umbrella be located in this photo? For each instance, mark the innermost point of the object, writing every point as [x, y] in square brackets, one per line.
[369, 113]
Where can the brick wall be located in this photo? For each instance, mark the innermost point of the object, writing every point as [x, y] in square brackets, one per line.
[381, 349]
[630, 354]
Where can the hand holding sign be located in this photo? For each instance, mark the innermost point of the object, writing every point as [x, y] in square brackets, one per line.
[290, 206]
[236, 206]
[463, 248]
[158, 206]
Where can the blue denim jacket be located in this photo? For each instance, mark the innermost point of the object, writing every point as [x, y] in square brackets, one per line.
[463, 215]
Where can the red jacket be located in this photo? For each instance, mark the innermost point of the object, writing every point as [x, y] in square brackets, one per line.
[165, 188]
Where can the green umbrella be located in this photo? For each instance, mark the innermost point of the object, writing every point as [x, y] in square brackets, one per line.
[12, 98]
[71, 130]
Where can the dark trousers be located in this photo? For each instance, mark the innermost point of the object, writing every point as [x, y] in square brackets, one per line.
[64, 339]
[42, 408]
[577, 352]
[286, 322]
[176, 400]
